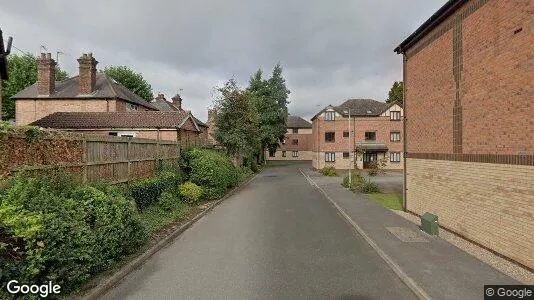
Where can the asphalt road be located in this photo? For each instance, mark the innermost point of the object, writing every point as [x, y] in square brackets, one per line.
[278, 238]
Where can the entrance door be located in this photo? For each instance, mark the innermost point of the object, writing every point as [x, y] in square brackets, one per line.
[369, 158]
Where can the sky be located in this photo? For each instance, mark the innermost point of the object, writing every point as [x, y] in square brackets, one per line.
[330, 51]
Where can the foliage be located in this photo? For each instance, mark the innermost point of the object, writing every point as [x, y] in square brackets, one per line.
[356, 179]
[167, 201]
[368, 187]
[254, 167]
[131, 80]
[211, 170]
[396, 93]
[378, 167]
[70, 232]
[168, 210]
[146, 192]
[33, 134]
[22, 73]
[328, 171]
[237, 121]
[359, 184]
[244, 173]
[190, 192]
[391, 201]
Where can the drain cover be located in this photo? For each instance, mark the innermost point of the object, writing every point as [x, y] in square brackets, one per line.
[270, 175]
[407, 235]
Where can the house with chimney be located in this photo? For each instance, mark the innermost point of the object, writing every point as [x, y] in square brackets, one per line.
[94, 103]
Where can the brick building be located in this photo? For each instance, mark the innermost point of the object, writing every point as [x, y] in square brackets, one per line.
[468, 79]
[88, 92]
[297, 144]
[374, 135]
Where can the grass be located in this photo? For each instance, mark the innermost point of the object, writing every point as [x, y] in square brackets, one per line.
[391, 201]
[155, 217]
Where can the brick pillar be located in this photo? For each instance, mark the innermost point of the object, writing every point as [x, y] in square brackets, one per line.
[46, 75]
[87, 69]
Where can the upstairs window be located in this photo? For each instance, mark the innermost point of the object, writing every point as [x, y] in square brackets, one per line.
[370, 136]
[395, 115]
[395, 156]
[395, 136]
[330, 116]
[345, 134]
[295, 130]
[295, 142]
[329, 137]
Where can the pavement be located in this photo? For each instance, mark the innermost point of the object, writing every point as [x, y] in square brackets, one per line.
[278, 238]
[438, 268]
[293, 235]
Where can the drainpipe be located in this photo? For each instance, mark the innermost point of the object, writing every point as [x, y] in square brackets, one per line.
[404, 61]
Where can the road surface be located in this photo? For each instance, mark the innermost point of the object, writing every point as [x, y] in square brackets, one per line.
[278, 238]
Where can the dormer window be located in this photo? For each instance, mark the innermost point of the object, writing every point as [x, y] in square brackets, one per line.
[329, 116]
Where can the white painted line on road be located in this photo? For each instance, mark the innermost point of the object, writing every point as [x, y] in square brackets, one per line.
[418, 291]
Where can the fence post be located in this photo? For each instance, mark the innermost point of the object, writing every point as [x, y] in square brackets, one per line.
[84, 158]
[128, 157]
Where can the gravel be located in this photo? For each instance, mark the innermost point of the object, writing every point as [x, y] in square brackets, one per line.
[507, 267]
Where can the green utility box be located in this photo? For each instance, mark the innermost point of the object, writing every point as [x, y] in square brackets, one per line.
[429, 224]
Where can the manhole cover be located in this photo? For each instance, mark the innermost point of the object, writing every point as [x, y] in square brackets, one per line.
[407, 235]
[270, 176]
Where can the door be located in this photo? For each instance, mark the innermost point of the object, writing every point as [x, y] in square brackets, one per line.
[369, 158]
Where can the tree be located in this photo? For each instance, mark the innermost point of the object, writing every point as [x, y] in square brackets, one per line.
[237, 121]
[22, 73]
[131, 80]
[396, 93]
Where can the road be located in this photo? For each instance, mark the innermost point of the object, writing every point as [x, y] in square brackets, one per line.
[278, 238]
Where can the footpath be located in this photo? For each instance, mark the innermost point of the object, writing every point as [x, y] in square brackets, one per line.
[430, 266]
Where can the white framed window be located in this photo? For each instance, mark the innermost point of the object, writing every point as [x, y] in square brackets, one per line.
[330, 116]
[330, 157]
[394, 156]
[395, 115]
[395, 136]
[295, 154]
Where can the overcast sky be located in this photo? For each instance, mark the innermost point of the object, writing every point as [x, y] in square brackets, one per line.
[330, 50]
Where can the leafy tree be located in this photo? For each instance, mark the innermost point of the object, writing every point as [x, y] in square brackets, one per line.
[22, 73]
[131, 80]
[396, 92]
[237, 120]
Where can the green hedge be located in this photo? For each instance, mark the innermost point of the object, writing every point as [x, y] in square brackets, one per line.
[65, 232]
[210, 169]
[190, 192]
[328, 171]
[147, 192]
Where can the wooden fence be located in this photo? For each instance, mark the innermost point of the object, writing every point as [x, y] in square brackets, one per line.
[116, 159]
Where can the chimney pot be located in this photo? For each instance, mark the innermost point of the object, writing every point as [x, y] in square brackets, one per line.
[87, 78]
[46, 75]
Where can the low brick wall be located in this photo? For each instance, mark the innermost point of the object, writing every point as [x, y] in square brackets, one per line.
[491, 204]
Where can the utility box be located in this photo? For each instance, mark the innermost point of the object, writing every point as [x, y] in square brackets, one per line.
[429, 224]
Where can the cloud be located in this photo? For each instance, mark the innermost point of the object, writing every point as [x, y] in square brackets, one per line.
[330, 51]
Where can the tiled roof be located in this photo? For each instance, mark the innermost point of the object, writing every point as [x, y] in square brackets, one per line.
[359, 108]
[164, 105]
[297, 122]
[134, 119]
[105, 88]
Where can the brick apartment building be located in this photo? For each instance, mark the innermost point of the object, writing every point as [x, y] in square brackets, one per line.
[468, 79]
[297, 144]
[375, 134]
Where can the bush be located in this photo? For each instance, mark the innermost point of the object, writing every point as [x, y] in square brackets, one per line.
[254, 167]
[167, 201]
[146, 192]
[190, 192]
[368, 187]
[328, 171]
[65, 232]
[356, 179]
[210, 169]
[245, 173]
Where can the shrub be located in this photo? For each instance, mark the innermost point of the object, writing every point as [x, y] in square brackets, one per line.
[168, 201]
[368, 187]
[190, 192]
[328, 171]
[356, 179]
[245, 173]
[146, 192]
[210, 169]
[67, 232]
[254, 167]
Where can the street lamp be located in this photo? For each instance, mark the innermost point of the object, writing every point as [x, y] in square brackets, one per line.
[350, 150]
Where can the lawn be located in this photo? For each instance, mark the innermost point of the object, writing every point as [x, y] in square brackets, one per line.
[391, 201]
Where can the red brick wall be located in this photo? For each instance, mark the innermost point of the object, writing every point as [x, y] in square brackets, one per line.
[305, 142]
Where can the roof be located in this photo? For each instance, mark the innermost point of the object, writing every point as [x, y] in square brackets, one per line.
[164, 105]
[131, 119]
[359, 108]
[372, 146]
[437, 18]
[297, 122]
[105, 88]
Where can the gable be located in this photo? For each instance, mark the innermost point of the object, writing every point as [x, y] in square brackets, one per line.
[394, 107]
[189, 125]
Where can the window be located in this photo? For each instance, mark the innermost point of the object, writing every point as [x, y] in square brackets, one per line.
[130, 106]
[295, 130]
[330, 116]
[295, 142]
[113, 133]
[329, 137]
[346, 155]
[345, 134]
[283, 154]
[394, 156]
[395, 136]
[295, 154]
[271, 154]
[395, 115]
[330, 157]
[370, 136]
[284, 141]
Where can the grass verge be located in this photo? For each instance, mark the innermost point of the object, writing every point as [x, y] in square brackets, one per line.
[391, 201]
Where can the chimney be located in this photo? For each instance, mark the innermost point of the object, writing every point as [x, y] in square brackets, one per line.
[160, 97]
[46, 76]
[87, 79]
[177, 101]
